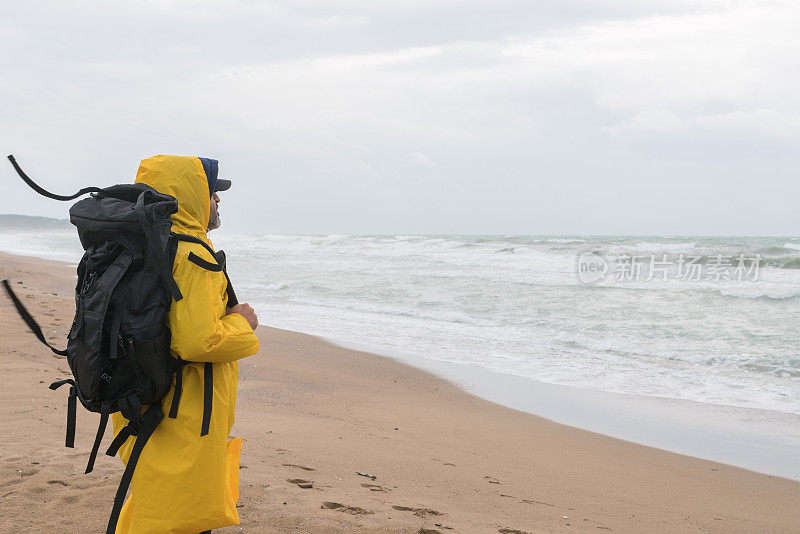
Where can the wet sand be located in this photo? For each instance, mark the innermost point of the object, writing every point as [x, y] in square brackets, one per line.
[314, 416]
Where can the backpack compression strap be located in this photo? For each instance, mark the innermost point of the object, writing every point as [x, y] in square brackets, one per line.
[44, 192]
[29, 320]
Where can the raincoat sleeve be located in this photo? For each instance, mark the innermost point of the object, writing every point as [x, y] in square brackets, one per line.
[201, 332]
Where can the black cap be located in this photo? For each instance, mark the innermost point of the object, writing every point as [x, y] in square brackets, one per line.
[211, 168]
[222, 185]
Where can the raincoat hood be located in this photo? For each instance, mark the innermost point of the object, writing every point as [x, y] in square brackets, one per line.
[185, 178]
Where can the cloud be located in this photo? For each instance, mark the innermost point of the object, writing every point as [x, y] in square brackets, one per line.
[766, 122]
[762, 122]
[418, 158]
[650, 121]
[340, 103]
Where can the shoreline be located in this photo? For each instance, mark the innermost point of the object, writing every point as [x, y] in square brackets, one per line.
[444, 459]
[732, 435]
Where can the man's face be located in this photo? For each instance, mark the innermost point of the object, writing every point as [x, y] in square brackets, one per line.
[214, 221]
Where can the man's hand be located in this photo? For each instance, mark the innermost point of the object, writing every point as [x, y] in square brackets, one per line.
[246, 311]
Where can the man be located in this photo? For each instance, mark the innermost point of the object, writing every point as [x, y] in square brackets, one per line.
[185, 482]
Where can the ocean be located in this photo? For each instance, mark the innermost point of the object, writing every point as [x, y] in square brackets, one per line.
[707, 319]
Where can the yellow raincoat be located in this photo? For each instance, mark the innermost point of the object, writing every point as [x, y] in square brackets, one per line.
[185, 483]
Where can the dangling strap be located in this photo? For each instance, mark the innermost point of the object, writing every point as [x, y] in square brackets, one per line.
[72, 406]
[29, 320]
[131, 429]
[105, 409]
[176, 395]
[130, 407]
[150, 420]
[152, 242]
[208, 396]
[43, 191]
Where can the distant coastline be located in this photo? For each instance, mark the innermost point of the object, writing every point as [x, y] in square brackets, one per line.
[10, 221]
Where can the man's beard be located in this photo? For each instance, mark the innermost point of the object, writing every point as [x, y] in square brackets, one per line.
[214, 222]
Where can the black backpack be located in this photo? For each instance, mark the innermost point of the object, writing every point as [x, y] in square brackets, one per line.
[118, 345]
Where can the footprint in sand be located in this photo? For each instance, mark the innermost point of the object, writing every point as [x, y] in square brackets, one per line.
[528, 501]
[304, 468]
[374, 487]
[595, 523]
[339, 507]
[305, 484]
[491, 480]
[422, 512]
[57, 482]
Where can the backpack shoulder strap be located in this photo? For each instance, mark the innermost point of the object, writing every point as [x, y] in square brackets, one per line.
[176, 394]
[207, 265]
[192, 239]
[219, 257]
[208, 367]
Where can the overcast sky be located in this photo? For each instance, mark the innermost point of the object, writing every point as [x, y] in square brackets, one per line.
[410, 116]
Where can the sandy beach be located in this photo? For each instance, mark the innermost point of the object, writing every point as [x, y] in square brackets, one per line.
[316, 418]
